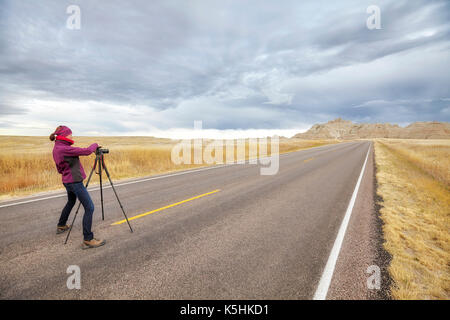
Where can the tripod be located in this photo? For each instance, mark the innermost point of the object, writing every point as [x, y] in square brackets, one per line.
[100, 161]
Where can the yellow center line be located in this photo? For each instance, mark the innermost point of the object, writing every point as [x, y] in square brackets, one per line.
[308, 159]
[166, 207]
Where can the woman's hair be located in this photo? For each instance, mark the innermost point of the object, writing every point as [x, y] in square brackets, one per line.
[53, 135]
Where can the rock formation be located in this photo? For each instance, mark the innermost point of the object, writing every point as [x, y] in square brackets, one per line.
[345, 129]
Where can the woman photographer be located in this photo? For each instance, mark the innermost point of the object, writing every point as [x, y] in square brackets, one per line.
[69, 166]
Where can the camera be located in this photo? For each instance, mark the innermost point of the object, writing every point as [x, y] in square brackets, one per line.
[101, 151]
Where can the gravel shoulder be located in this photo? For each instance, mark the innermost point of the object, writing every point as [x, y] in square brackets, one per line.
[362, 247]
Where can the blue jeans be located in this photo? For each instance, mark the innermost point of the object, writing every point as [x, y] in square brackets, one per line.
[74, 191]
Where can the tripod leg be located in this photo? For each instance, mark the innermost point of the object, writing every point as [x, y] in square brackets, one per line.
[79, 204]
[100, 161]
[114, 189]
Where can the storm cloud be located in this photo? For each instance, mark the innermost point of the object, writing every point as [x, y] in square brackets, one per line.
[139, 67]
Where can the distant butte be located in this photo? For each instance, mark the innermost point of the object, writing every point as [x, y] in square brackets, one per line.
[346, 130]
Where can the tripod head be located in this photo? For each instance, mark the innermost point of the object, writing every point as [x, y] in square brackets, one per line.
[101, 151]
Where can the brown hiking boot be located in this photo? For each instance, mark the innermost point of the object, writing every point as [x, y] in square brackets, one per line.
[94, 243]
[61, 229]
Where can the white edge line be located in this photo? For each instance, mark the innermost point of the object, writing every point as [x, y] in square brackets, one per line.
[327, 275]
[158, 177]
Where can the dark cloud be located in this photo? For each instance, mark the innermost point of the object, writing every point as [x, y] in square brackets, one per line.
[233, 64]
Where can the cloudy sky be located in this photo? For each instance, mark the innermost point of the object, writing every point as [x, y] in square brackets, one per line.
[242, 67]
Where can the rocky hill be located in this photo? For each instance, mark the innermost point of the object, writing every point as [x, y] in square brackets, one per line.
[345, 129]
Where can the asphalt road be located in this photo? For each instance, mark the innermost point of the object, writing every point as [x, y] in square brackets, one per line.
[259, 237]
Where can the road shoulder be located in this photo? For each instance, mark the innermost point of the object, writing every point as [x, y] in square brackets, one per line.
[362, 247]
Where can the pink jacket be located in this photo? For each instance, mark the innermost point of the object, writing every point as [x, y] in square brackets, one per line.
[68, 162]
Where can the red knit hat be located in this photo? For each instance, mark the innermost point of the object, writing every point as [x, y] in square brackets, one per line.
[63, 131]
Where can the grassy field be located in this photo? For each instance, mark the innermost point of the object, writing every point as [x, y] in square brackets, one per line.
[27, 167]
[414, 182]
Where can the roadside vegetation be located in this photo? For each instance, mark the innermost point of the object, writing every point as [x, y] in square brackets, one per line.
[27, 167]
[414, 182]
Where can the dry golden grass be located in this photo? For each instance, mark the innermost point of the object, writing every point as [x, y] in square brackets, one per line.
[413, 180]
[26, 163]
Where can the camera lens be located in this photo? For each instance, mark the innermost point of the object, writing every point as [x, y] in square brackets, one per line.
[101, 150]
